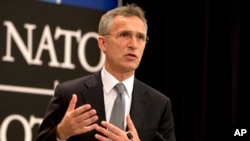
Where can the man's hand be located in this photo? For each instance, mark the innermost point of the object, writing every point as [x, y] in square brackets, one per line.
[111, 132]
[76, 121]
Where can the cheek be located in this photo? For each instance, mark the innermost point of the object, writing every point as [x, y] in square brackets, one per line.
[115, 48]
[141, 50]
[112, 51]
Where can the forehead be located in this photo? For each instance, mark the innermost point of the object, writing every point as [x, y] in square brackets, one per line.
[128, 23]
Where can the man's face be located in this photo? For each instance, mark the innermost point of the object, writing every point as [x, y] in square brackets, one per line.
[124, 44]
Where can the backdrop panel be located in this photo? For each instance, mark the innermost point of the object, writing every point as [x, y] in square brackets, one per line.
[43, 43]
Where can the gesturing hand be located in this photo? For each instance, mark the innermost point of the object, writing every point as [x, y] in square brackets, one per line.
[76, 121]
[112, 133]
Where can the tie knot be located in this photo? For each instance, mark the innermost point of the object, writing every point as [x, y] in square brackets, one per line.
[120, 88]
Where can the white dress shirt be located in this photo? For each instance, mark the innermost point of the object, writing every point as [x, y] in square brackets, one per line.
[110, 94]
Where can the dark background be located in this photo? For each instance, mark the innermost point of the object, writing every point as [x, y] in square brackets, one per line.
[18, 108]
[195, 56]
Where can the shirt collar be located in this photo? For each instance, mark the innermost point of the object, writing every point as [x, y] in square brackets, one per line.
[109, 81]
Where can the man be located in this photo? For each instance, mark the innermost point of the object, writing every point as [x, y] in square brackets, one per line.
[81, 109]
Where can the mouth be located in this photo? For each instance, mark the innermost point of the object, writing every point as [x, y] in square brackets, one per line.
[131, 56]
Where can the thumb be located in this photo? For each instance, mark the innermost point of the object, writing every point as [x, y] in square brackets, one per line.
[72, 103]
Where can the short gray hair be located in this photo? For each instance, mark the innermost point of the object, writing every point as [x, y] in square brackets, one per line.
[128, 10]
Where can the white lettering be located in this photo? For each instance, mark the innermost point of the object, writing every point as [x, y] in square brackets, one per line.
[27, 126]
[13, 34]
[67, 47]
[240, 132]
[47, 44]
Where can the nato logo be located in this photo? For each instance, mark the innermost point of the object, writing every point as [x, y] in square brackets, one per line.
[104, 5]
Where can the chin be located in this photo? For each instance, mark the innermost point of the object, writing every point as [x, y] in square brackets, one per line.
[131, 68]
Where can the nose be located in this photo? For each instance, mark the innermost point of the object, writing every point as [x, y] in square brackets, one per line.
[133, 43]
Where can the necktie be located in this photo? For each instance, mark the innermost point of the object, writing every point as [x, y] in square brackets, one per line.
[118, 111]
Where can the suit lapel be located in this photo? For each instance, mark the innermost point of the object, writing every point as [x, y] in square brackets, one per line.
[93, 95]
[140, 104]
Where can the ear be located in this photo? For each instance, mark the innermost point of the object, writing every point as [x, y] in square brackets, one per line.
[101, 44]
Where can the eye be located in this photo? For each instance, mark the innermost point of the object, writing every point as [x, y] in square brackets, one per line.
[141, 37]
[124, 34]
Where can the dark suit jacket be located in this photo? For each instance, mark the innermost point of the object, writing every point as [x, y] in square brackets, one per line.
[150, 110]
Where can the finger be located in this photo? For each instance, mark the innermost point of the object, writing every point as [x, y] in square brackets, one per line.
[82, 109]
[101, 138]
[86, 119]
[105, 134]
[89, 128]
[90, 120]
[111, 128]
[72, 103]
